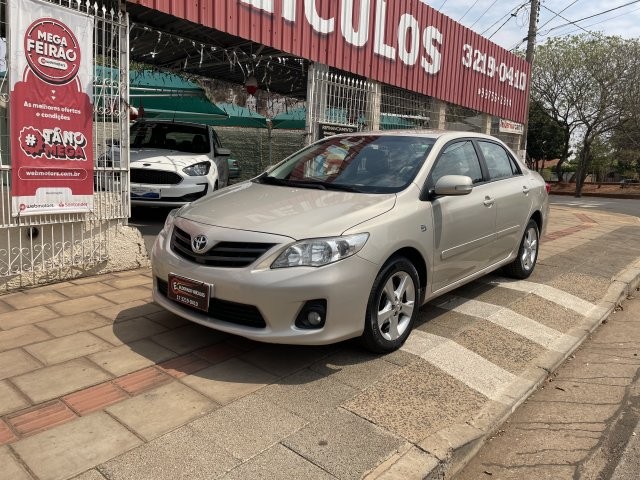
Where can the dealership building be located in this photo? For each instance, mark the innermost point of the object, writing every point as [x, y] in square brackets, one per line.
[65, 97]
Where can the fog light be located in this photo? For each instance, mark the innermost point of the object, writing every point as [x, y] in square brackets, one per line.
[312, 315]
[314, 318]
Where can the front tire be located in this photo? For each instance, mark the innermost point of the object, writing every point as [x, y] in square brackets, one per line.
[392, 307]
[523, 265]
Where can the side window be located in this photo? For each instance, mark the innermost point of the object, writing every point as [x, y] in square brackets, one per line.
[499, 163]
[458, 158]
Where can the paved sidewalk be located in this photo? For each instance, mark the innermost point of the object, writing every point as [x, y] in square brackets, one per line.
[98, 381]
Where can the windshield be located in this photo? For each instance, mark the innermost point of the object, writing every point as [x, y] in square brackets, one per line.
[361, 163]
[170, 136]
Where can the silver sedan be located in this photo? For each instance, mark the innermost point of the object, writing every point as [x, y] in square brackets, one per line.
[350, 236]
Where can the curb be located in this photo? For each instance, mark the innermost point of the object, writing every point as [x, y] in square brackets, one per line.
[444, 453]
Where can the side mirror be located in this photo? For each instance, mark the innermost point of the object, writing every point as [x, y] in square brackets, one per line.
[454, 185]
[222, 152]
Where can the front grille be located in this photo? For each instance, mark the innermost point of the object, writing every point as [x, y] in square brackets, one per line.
[231, 312]
[154, 177]
[222, 254]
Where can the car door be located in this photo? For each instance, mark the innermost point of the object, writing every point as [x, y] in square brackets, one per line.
[510, 189]
[464, 226]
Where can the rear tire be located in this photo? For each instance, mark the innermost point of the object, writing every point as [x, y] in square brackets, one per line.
[523, 265]
[392, 307]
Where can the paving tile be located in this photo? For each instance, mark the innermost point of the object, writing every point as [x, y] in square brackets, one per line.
[228, 381]
[95, 398]
[77, 291]
[21, 300]
[181, 454]
[331, 443]
[80, 305]
[128, 282]
[162, 409]
[5, 307]
[11, 468]
[131, 357]
[20, 336]
[167, 318]
[188, 338]
[138, 382]
[6, 434]
[355, 368]
[27, 316]
[16, 362]
[128, 331]
[126, 311]
[41, 417]
[66, 348]
[10, 399]
[103, 277]
[278, 463]
[248, 426]
[92, 474]
[75, 447]
[307, 394]
[416, 401]
[59, 327]
[584, 286]
[218, 353]
[547, 313]
[185, 365]
[284, 360]
[57, 380]
[128, 295]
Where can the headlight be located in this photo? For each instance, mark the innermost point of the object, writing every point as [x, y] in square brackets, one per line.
[198, 169]
[316, 252]
[171, 217]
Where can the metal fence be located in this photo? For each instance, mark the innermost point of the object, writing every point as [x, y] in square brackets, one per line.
[41, 245]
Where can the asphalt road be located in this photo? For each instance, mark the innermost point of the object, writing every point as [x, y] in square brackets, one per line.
[613, 205]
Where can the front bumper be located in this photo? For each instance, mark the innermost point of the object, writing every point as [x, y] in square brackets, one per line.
[171, 195]
[277, 295]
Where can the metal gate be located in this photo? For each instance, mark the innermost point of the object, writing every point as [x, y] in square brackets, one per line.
[44, 248]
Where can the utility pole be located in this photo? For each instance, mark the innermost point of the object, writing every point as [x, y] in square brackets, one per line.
[531, 43]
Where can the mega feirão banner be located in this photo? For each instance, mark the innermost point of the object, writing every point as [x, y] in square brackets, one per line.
[51, 108]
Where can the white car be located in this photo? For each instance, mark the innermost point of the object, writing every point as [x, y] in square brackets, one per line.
[350, 236]
[174, 163]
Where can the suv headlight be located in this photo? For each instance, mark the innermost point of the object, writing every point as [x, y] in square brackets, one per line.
[317, 252]
[197, 170]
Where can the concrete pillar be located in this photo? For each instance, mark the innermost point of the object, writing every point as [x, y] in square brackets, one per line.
[439, 115]
[374, 102]
[486, 123]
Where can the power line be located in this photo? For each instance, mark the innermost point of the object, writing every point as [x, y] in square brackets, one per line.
[468, 10]
[507, 16]
[591, 16]
[567, 20]
[557, 14]
[511, 15]
[483, 13]
[598, 23]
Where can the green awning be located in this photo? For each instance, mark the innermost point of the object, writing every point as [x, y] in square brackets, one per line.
[294, 119]
[239, 117]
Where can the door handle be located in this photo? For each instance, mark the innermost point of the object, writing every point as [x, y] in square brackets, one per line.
[488, 201]
[525, 189]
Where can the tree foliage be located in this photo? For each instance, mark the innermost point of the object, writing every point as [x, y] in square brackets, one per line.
[588, 84]
[546, 137]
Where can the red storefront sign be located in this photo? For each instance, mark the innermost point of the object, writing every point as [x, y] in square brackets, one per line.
[51, 108]
[402, 42]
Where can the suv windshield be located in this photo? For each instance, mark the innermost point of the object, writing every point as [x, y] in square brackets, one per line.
[361, 163]
[170, 136]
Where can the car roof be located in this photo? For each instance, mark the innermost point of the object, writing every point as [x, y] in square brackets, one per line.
[170, 122]
[426, 133]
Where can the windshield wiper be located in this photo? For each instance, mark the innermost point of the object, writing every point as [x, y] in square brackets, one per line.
[307, 184]
[272, 180]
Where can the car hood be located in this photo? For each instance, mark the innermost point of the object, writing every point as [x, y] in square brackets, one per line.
[294, 212]
[164, 159]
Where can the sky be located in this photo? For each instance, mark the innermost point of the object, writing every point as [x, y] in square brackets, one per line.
[487, 17]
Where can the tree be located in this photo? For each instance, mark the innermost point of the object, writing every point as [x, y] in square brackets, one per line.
[546, 138]
[583, 83]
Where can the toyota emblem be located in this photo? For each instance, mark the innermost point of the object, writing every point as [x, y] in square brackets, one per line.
[199, 243]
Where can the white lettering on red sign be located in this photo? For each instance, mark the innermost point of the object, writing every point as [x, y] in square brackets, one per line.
[406, 47]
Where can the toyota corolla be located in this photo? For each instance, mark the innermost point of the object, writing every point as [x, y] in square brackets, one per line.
[350, 236]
